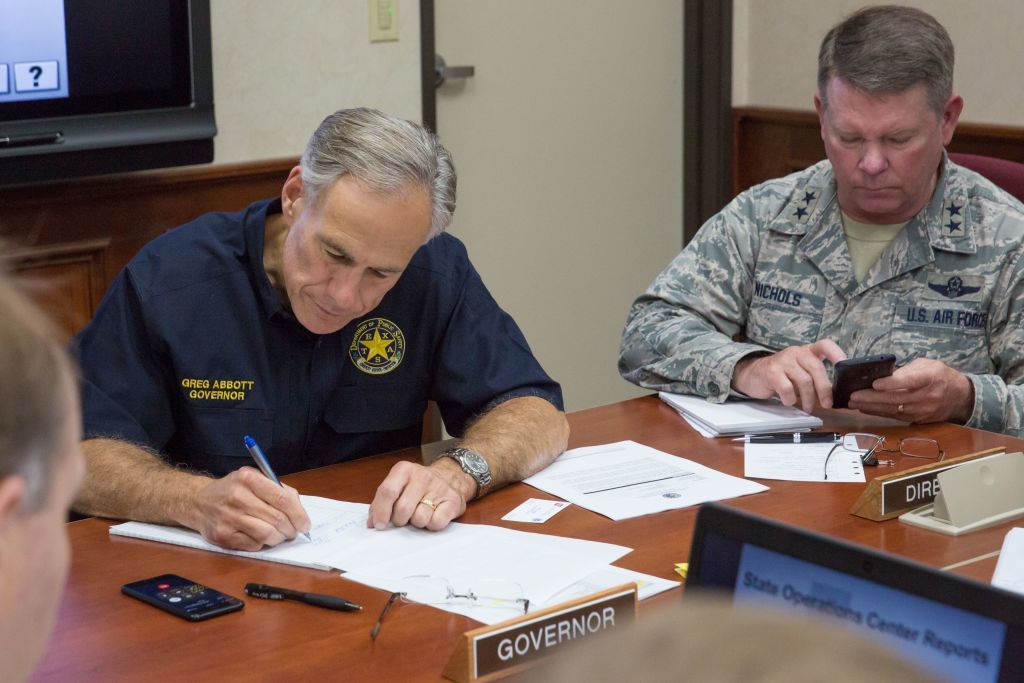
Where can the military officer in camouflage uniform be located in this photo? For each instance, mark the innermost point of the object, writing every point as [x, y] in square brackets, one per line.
[886, 247]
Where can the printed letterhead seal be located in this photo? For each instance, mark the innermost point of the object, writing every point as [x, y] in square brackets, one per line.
[378, 346]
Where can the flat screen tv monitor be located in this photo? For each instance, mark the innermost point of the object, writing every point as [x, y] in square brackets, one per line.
[103, 86]
[960, 629]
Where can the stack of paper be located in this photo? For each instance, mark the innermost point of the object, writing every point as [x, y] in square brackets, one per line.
[739, 417]
[549, 569]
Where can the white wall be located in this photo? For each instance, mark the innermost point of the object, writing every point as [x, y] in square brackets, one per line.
[568, 143]
[280, 67]
[775, 52]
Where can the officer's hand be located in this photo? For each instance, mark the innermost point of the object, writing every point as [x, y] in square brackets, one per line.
[405, 495]
[796, 374]
[923, 390]
[246, 511]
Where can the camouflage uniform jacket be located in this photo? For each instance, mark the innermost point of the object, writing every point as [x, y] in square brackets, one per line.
[772, 270]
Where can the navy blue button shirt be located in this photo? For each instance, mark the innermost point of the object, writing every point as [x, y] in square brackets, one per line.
[191, 349]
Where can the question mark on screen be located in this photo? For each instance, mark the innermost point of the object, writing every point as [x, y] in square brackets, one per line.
[36, 72]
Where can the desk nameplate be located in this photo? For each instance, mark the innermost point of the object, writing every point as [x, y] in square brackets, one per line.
[494, 651]
[893, 494]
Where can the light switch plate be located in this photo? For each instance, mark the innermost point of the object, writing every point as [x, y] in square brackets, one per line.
[383, 20]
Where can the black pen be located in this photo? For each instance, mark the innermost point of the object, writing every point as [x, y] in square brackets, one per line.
[792, 437]
[259, 590]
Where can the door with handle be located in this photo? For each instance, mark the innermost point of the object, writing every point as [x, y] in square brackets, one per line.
[566, 133]
[443, 72]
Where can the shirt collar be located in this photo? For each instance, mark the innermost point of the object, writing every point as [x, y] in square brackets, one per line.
[254, 229]
[813, 214]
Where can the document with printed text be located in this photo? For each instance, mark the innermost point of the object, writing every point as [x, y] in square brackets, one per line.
[801, 462]
[626, 479]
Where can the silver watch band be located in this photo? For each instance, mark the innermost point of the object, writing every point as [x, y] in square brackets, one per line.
[473, 464]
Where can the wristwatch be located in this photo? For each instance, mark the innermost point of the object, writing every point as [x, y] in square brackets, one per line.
[473, 464]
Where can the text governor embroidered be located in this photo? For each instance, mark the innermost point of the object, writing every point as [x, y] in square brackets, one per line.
[213, 389]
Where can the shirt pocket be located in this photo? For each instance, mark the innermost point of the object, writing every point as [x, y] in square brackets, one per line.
[954, 332]
[785, 310]
[376, 407]
[213, 438]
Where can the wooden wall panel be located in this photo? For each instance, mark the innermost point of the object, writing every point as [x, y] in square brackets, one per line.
[769, 143]
[67, 279]
[72, 238]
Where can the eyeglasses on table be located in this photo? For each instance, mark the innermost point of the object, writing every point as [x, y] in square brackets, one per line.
[436, 590]
[870, 445]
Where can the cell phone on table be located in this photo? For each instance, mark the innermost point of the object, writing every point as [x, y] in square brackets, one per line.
[182, 597]
[854, 374]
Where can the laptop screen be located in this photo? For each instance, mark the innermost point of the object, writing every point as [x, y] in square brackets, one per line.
[960, 629]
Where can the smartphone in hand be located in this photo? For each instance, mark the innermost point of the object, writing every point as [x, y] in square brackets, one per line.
[854, 374]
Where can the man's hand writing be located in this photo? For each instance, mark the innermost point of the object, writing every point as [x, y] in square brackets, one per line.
[246, 511]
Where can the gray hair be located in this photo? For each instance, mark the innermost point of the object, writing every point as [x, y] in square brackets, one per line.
[887, 50]
[386, 154]
[35, 371]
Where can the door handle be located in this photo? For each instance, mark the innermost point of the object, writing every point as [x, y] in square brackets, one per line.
[443, 72]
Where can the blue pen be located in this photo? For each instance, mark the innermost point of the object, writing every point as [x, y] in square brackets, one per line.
[261, 461]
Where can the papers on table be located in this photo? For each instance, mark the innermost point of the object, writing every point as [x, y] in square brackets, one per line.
[609, 577]
[463, 554]
[332, 520]
[801, 462]
[492, 612]
[1009, 573]
[739, 417]
[626, 479]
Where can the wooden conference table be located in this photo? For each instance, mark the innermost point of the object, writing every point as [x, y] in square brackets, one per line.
[102, 635]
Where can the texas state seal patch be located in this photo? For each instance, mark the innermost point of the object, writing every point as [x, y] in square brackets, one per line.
[378, 346]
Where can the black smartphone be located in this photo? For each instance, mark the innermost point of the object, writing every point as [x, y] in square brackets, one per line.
[182, 598]
[854, 374]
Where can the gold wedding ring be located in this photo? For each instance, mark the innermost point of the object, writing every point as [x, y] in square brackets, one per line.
[429, 503]
[899, 409]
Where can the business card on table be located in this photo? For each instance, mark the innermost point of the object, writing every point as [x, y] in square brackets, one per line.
[536, 510]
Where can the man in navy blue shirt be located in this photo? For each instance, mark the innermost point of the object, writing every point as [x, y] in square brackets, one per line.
[319, 323]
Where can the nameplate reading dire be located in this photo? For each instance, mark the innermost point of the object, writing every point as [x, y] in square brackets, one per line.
[893, 494]
[494, 651]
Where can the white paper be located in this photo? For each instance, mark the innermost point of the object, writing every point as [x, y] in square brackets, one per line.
[608, 577]
[598, 580]
[535, 510]
[740, 416]
[542, 564]
[333, 521]
[1009, 573]
[627, 479]
[697, 425]
[801, 462]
